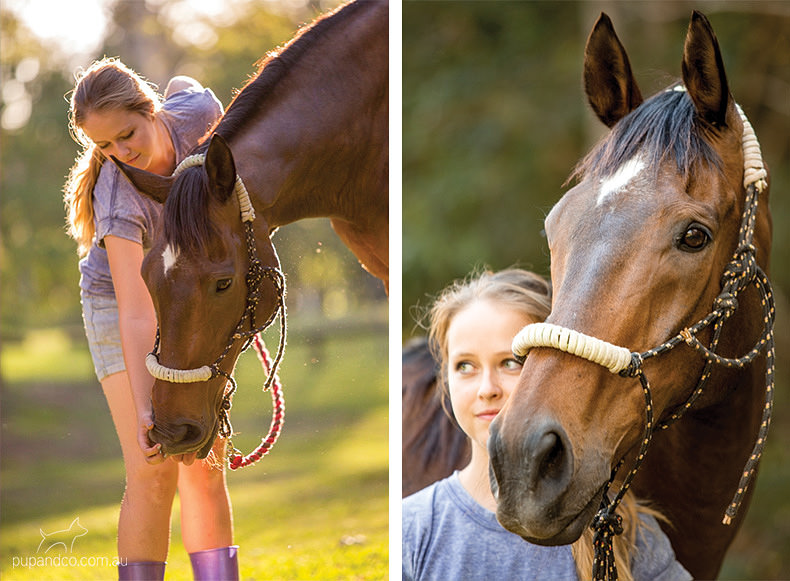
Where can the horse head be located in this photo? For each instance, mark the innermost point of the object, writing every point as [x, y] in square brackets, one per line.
[198, 272]
[638, 247]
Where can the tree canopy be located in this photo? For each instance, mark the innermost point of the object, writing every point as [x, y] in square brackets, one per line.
[159, 40]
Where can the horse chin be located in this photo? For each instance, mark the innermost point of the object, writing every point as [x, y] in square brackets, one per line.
[554, 529]
[573, 529]
[200, 452]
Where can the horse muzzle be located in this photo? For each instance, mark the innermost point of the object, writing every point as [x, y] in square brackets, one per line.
[544, 494]
[183, 436]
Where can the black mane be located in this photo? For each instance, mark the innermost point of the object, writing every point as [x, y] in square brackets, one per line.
[664, 127]
[187, 223]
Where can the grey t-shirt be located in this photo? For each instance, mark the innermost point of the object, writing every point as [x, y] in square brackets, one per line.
[448, 536]
[120, 210]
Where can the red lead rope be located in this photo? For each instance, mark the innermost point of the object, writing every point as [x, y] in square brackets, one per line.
[235, 458]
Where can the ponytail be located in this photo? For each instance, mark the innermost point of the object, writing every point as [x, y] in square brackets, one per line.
[78, 196]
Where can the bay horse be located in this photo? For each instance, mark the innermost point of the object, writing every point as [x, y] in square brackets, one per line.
[659, 227]
[306, 137]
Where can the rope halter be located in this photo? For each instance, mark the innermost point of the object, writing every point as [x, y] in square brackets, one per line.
[741, 272]
[255, 275]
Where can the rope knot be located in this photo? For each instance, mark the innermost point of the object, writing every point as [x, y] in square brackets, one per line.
[725, 302]
[634, 366]
[607, 522]
[742, 269]
[687, 336]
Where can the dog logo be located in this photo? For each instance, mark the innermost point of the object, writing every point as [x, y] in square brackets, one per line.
[64, 538]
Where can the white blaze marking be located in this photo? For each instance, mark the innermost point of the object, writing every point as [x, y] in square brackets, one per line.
[169, 257]
[615, 183]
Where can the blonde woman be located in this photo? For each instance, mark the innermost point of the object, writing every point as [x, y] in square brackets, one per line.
[450, 531]
[114, 112]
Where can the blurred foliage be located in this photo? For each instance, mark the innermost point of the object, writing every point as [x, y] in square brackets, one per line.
[495, 118]
[159, 40]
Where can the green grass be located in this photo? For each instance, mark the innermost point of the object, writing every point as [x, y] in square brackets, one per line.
[315, 508]
[46, 355]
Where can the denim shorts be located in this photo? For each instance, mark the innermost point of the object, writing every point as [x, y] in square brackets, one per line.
[100, 315]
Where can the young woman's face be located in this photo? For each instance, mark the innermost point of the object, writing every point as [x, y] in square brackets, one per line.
[482, 371]
[129, 136]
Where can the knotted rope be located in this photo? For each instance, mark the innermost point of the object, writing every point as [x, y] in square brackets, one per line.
[741, 272]
[255, 274]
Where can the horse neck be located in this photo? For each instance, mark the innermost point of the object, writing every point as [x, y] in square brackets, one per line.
[301, 157]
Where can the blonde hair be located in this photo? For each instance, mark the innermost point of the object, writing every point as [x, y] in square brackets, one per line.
[531, 294]
[106, 85]
[518, 289]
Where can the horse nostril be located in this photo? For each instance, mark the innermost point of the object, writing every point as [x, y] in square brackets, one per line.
[540, 463]
[192, 432]
[182, 435]
[550, 459]
[550, 455]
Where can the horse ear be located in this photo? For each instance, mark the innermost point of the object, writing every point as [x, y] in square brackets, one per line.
[703, 71]
[220, 168]
[149, 184]
[608, 81]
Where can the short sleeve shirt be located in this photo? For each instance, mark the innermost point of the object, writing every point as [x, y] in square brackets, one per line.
[120, 210]
[448, 536]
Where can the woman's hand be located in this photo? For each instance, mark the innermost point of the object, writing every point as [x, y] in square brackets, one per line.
[152, 452]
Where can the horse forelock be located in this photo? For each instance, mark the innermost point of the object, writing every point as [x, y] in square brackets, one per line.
[663, 128]
[187, 222]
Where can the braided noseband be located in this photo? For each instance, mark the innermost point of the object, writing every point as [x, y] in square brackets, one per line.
[741, 272]
[255, 275]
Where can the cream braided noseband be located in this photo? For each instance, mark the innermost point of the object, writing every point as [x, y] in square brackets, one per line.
[741, 272]
[614, 358]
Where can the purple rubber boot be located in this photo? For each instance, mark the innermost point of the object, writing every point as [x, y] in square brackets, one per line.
[216, 564]
[142, 571]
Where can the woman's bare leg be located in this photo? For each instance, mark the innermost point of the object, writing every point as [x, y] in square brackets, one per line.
[144, 523]
[206, 518]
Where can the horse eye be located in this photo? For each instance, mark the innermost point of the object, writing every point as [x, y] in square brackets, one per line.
[695, 238]
[223, 284]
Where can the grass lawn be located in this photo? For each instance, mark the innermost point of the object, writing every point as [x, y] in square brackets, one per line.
[315, 508]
